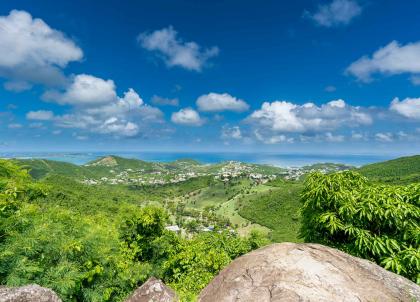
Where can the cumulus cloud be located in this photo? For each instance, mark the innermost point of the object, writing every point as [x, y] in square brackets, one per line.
[270, 139]
[161, 101]
[284, 116]
[85, 90]
[31, 52]
[409, 107]
[188, 117]
[231, 132]
[97, 107]
[338, 12]
[216, 102]
[40, 115]
[392, 59]
[329, 137]
[176, 52]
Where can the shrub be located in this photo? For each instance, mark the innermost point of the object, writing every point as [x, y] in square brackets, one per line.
[376, 222]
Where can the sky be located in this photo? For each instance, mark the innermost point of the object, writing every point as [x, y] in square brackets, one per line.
[319, 76]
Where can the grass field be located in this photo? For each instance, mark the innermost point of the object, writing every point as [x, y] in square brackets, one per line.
[272, 209]
[402, 170]
[276, 209]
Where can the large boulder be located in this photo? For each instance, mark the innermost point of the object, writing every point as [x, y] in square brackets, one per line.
[28, 293]
[153, 290]
[306, 272]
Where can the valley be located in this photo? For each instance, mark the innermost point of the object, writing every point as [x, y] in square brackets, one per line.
[199, 197]
[98, 230]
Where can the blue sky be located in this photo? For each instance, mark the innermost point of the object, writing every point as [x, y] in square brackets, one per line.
[308, 76]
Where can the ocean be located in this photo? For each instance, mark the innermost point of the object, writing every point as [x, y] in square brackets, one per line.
[275, 159]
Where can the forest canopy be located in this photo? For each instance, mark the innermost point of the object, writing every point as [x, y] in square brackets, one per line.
[104, 253]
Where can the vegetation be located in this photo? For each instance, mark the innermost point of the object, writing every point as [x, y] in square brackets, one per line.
[276, 209]
[88, 245]
[402, 170]
[99, 242]
[372, 221]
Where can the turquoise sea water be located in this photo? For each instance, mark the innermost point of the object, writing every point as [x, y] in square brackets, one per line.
[280, 160]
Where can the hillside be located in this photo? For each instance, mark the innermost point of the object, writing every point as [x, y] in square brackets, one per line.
[401, 170]
[40, 168]
[276, 208]
[118, 170]
[223, 209]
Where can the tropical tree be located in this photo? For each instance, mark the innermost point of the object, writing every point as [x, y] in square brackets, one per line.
[377, 222]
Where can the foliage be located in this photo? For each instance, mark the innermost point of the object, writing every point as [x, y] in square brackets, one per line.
[78, 256]
[16, 188]
[372, 221]
[142, 228]
[277, 209]
[403, 170]
[98, 243]
[192, 264]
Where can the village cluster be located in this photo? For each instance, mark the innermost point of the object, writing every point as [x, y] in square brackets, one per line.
[225, 172]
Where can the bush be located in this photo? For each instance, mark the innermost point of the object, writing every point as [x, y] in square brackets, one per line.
[376, 222]
[192, 264]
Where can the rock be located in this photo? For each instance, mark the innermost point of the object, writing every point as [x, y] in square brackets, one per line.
[28, 293]
[306, 272]
[153, 290]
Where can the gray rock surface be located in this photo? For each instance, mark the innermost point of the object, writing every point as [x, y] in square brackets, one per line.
[28, 293]
[306, 272]
[153, 290]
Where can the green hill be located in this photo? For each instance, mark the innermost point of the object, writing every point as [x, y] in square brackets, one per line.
[121, 163]
[401, 170]
[40, 168]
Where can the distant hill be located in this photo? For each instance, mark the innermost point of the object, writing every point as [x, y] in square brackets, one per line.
[399, 171]
[40, 168]
[112, 166]
[104, 164]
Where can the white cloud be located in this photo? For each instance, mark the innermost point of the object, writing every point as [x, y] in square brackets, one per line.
[41, 115]
[187, 116]
[161, 101]
[329, 137]
[283, 116]
[276, 139]
[231, 132]
[176, 52]
[33, 52]
[384, 137]
[358, 136]
[272, 139]
[389, 60]
[114, 126]
[216, 102]
[409, 107]
[85, 90]
[338, 12]
[97, 108]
